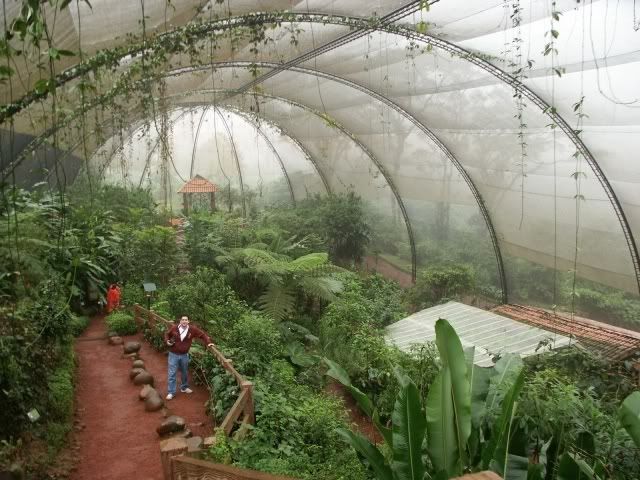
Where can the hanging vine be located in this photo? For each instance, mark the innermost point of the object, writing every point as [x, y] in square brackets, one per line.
[518, 70]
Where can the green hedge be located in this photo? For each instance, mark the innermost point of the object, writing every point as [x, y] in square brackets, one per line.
[122, 323]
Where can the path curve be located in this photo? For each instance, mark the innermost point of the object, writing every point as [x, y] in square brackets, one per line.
[118, 437]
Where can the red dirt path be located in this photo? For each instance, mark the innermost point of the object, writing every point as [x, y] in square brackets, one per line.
[118, 439]
[387, 269]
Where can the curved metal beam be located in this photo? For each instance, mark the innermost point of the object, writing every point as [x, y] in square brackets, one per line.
[364, 24]
[121, 146]
[273, 149]
[504, 77]
[302, 148]
[235, 155]
[195, 141]
[420, 125]
[373, 159]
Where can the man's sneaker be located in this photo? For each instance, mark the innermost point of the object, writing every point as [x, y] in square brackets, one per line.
[186, 390]
[170, 396]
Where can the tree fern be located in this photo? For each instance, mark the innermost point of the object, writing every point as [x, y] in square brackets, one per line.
[324, 288]
[277, 301]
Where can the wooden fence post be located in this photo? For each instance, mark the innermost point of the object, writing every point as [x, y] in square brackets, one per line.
[248, 406]
[171, 448]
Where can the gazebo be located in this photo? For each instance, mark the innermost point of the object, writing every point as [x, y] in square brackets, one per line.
[197, 184]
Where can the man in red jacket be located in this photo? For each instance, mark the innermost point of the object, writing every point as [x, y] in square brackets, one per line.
[179, 338]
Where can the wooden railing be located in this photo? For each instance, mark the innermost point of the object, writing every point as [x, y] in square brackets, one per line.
[243, 408]
[187, 468]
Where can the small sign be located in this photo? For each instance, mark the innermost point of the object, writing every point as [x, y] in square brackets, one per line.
[149, 287]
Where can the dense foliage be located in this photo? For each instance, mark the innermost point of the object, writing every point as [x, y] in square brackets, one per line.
[266, 290]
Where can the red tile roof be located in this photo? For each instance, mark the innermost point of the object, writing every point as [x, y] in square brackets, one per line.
[198, 184]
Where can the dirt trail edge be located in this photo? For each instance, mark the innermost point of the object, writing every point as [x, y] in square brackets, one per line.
[117, 437]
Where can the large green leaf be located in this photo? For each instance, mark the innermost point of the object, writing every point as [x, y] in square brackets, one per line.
[386, 432]
[452, 356]
[299, 356]
[498, 446]
[480, 382]
[338, 373]
[409, 425]
[573, 467]
[518, 468]
[442, 444]
[505, 370]
[629, 416]
[371, 453]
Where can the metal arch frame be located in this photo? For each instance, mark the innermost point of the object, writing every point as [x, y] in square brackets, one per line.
[361, 25]
[243, 114]
[388, 19]
[556, 118]
[297, 143]
[235, 155]
[501, 75]
[121, 146]
[434, 138]
[373, 159]
[264, 136]
[195, 140]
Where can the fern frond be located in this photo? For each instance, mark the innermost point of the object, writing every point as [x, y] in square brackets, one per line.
[254, 256]
[324, 288]
[259, 246]
[308, 262]
[277, 302]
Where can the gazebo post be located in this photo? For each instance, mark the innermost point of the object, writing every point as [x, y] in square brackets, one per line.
[212, 196]
[185, 203]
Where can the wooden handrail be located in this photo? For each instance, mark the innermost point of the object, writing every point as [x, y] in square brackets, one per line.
[243, 405]
[193, 468]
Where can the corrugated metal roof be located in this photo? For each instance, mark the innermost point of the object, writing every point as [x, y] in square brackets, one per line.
[490, 333]
[198, 184]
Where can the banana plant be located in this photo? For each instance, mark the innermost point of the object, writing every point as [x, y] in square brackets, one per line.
[456, 440]
[582, 463]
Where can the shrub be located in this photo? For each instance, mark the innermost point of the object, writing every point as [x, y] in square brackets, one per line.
[202, 295]
[440, 283]
[345, 226]
[220, 451]
[122, 323]
[255, 341]
[78, 324]
[133, 293]
[57, 435]
[61, 395]
[295, 435]
[155, 336]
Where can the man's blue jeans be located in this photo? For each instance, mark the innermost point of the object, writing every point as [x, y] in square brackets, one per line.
[178, 362]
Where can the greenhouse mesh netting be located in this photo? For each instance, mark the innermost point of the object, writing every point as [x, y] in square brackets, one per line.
[505, 132]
